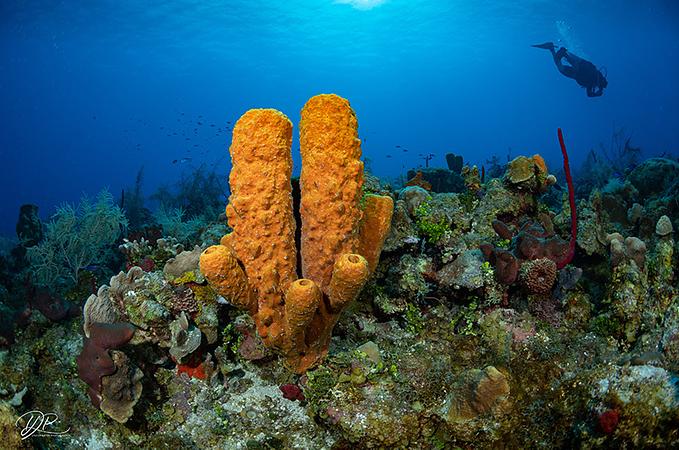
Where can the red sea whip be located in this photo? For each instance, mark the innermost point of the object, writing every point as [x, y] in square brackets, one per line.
[571, 200]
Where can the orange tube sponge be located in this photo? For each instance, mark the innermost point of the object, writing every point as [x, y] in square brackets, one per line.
[348, 277]
[296, 316]
[374, 227]
[222, 271]
[301, 301]
[331, 184]
[260, 209]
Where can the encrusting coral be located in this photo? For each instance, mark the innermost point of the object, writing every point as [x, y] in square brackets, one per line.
[254, 267]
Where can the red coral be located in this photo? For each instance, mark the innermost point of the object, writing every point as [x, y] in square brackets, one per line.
[608, 421]
[195, 367]
[571, 201]
[147, 264]
[292, 392]
[533, 242]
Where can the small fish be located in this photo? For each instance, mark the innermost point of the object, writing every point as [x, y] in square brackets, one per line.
[398, 146]
[199, 123]
[645, 358]
[90, 267]
[181, 161]
[388, 156]
[642, 359]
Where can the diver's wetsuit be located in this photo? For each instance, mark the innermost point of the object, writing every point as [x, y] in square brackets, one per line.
[582, 71]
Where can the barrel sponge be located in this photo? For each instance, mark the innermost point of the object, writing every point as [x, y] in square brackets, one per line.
[374, 227]
[261, 203]
[222, 271]
[331, 184]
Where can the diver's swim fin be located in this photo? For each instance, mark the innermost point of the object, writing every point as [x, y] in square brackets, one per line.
[546, 46]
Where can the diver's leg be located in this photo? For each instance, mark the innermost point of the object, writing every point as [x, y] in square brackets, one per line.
[572, 59]
[565, 70]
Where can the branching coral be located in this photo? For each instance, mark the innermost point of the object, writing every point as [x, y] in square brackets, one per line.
[75, 238]
[255, 265]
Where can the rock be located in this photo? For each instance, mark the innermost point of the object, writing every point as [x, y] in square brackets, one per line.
[464, 272]
[403, 231]
[10, 432]
[635, 213]
[617, 247]
[371, 351]
[650, 390]
[208, 322]
[654, 176]
[413, 196]
[635, 249]
[476, 392]
[121, 390]
[664, 226]
[441, 180]
[18, 397]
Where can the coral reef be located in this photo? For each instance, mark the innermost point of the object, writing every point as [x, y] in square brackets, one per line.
[484, 318]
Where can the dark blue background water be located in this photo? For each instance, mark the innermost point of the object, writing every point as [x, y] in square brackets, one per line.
[89, 93]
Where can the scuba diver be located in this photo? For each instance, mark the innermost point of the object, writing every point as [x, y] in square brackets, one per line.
[582, 71]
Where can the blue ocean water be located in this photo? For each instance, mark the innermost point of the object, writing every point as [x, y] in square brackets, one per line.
[92, 91]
